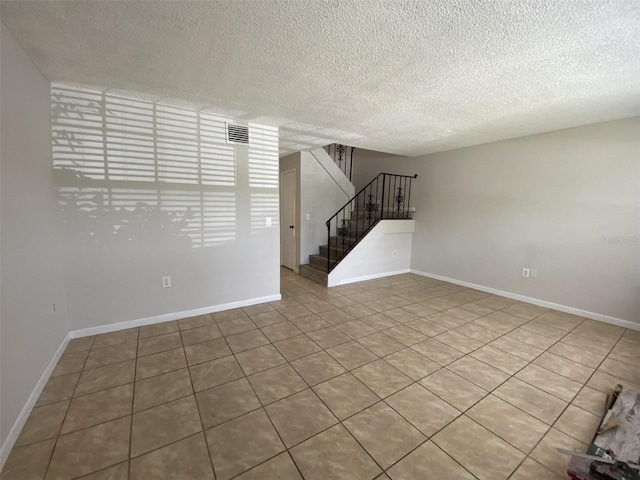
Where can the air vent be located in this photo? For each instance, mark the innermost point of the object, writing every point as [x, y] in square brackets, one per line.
[237, 134]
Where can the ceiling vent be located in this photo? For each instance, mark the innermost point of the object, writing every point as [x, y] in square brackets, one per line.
[237, 134]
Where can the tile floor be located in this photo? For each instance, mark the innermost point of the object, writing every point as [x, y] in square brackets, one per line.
[403, 377]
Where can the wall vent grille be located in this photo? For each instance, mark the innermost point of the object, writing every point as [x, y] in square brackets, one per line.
[237, 134]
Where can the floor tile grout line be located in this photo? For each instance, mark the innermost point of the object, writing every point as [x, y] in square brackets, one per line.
[55, 445]
[102, 469]
[382, 400]
[334, 377]
[173, 442]
[135, 412]
[490, 391]
[339, 421]
[463, 413]
[407, 346]
[430, 439]
[133, 395]
[568, 403]
[479, 347]
[195, 398]
[263, 408]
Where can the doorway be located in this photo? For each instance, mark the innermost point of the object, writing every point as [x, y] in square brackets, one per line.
[288, 223]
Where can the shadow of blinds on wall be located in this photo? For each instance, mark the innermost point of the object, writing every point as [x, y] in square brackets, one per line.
[141, 164]
[264, 177]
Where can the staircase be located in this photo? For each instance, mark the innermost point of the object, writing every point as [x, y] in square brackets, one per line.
[386, 197]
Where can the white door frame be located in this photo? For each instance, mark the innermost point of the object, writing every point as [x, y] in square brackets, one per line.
[296, 259]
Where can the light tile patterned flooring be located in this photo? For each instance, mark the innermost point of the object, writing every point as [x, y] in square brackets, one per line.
[403, 377]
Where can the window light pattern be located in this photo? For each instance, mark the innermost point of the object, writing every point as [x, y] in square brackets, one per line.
[133, 166]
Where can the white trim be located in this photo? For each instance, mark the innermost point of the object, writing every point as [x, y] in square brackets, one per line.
[37, 390]
[141, 322]
[297, 218]
[29, 404]
[344, 281]
[536, 301]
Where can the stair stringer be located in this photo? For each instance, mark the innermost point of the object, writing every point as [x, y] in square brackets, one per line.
[333, 170]
[372, 257]
[323, 190]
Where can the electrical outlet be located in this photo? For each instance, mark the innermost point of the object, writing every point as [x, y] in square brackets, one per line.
[53, 308]
[395, 253]
[526, 273]
[534, 273]
[308, 216]
[268, 221]
[166, 282]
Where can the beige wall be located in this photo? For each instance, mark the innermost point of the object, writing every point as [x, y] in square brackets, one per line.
[367, 164]
[32, 275]
[565, 203]
[103, 193]
[149, 188]
[547, 202]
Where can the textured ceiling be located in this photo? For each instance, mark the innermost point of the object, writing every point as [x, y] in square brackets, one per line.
[401, 76]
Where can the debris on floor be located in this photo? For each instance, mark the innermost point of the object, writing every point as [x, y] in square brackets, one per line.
[614, 453]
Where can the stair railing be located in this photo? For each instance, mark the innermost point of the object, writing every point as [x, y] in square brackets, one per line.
[386, 197]
[342, 156]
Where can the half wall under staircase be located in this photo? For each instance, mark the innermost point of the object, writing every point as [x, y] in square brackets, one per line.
[386, 197]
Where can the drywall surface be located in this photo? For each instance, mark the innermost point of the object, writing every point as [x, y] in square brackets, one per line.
[320, 198]
[334, 171]
[32, 278]
[374, 255]
[566, 204]
[368, 164]
[149, 187]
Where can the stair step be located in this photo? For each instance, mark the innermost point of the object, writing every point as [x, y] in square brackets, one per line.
[314, 274]
[363, 223]
[335, 252]
[395, 215]
[386, 213]
[321, 261]
[333, 241]
[355, 233]
[362, 206]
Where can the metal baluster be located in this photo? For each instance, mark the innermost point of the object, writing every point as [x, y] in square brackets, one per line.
[377, 184]
[381, 199]
[351, 163]
[357, 217]
[409, 199]
[405, 198]
[328, 246]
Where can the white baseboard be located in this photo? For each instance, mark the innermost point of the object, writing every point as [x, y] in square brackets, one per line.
[536, 301]
[345, 281]
[167, 317]
[8, 444]
[29, 404]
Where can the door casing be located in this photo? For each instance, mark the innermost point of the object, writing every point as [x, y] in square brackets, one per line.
[288, 236]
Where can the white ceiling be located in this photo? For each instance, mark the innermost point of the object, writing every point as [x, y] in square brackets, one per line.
[401, 76]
